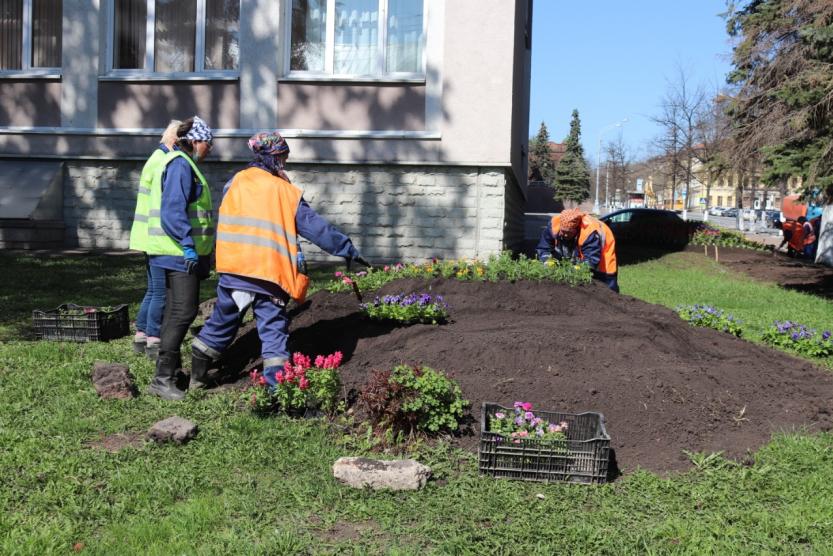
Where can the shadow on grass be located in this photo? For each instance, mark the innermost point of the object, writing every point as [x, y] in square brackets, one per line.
[46, 280]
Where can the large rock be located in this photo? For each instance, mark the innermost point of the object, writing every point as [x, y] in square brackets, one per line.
[173, 429]
[113, 381]
[401, 474]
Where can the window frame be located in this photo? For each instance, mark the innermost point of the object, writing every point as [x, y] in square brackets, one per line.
[380, 75]
[150, 34]
[26, 69]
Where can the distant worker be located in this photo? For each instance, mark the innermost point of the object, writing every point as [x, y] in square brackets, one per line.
[262, 218]
[575, 235]
[809, 238]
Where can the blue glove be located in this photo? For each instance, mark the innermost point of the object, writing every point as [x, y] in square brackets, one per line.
[191, 260]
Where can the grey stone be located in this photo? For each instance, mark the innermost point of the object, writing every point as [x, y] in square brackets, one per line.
[173, 429]
[402, 474]
[113, 381]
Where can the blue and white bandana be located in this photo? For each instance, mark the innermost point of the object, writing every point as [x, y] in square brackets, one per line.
[200, 131]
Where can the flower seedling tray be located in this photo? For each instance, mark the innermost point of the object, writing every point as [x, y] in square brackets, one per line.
[581, 458]
[77, 323]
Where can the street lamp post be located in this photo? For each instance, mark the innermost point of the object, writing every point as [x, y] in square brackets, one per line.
[596, 208]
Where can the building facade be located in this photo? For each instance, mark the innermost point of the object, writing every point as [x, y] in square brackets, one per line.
[407, 119]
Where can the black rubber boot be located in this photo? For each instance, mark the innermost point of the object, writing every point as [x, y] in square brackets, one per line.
[200, 363]
[164, 382]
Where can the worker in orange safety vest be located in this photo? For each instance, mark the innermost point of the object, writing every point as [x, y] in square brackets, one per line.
[262, 217]
[578, 236]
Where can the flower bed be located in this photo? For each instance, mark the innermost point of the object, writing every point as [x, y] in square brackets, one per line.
[706, 234]
[710, 317]
[303, 385]
[497, 268]
[408, 309]
[577, 452]
[796, 337]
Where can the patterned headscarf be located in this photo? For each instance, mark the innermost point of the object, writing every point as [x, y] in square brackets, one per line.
[270, 151]
[571, 220]
[200, 131]
[269, 143]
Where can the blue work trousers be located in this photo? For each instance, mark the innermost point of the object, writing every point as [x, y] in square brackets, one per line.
[149, 318]
[221, 327]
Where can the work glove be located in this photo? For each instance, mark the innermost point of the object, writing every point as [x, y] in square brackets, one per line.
[357, 258]
[191, 260]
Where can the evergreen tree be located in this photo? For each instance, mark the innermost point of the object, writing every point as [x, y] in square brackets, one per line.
[572, 176]
[783, 68]
[541, 166]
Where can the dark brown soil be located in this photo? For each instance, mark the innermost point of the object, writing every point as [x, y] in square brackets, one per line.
[787, 272]
[663, 386]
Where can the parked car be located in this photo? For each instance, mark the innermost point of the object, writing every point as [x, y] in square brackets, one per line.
[717, 211]
[730, 212]
[648, 227]
[771, 217]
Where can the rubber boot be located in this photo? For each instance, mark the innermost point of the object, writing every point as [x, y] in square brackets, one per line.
[152, 348]
[139, 343]
[200, 363]
[164, 383]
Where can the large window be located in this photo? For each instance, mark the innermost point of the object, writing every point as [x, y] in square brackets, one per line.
[374, 38]
[175, 36]
[30, 35]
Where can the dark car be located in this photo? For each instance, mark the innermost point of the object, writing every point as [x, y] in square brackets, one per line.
[648, 227]
[730, 213]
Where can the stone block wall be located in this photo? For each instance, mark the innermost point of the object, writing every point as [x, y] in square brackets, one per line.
[392, 213]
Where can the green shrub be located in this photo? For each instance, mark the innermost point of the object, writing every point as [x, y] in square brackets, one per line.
[408, 400]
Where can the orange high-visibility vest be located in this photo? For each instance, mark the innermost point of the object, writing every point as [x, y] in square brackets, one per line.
[607, 262]
[796, 231]
[256, 233]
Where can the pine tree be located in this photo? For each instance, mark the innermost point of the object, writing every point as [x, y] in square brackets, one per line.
[541, 166]
[572, 176]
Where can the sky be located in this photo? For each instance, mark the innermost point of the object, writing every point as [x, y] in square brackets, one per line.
[613, 59]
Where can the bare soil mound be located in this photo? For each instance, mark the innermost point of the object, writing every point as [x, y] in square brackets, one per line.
[787, 272]
[663, 386]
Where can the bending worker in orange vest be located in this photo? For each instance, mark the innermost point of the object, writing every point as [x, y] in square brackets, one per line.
[259, 259]
[578, 236]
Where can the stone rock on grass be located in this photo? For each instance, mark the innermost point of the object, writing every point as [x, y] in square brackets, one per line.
[403, 474]
[113, 381]
[173, 429]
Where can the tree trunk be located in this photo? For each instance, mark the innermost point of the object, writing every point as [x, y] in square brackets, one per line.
[824, 255]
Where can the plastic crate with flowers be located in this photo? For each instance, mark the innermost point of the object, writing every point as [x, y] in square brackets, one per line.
[544, 446]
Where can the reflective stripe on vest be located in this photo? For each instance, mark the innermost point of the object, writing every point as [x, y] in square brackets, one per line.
[139, 229]
[199, 215]
[256, 233]
[607, 258]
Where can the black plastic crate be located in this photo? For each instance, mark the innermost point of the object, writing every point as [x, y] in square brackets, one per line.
[582, 458]
[77, 323]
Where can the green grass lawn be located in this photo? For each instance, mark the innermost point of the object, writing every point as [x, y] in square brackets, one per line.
[689, 278]
[251, 485]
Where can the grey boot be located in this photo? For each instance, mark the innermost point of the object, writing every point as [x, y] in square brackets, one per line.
[152, 349]
[164, 382]
[200, 363]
